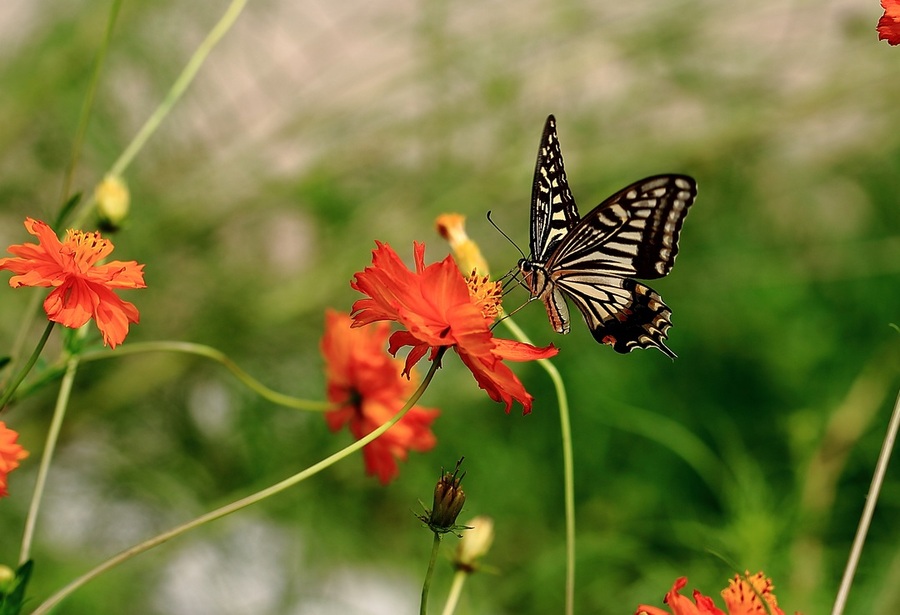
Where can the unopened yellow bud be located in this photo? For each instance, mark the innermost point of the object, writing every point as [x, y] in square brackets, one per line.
[7, 577]
[452, 227]
[475, 543]
[113, 201]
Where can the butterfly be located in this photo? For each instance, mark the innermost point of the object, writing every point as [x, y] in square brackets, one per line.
[591, 260]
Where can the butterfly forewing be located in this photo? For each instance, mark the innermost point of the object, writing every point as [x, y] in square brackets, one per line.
[632, 233]
[635, 231]
[553, 210]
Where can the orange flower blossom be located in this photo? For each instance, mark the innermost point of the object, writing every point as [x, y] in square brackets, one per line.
[83, 288]
[889, 24]
[366, 385]
[10, 455]
[440, 309]
[743, 596]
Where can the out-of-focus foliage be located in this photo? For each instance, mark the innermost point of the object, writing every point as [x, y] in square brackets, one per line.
[316, 128]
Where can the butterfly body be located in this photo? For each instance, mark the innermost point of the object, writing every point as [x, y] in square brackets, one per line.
[592, 259]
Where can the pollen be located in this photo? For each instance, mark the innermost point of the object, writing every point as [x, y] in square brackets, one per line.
[485, 294]
[85, 248]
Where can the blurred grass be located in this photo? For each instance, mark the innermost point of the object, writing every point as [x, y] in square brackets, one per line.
[315, 129]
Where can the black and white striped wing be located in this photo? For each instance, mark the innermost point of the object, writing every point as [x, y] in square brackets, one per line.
[553, 210]
[633, 233]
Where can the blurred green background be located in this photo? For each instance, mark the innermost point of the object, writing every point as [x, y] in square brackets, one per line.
[316, 128]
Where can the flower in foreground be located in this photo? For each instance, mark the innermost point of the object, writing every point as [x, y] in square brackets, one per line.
[889, 24]
[745, 595]
[440, 309]
[366, 386]
[11, 454]
[83, 289]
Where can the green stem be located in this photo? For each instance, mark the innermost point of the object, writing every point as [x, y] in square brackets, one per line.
[220, 357]
[459, 579]
[88, 104]
[435, 545]
[59, 413]
[11, 389]
[175, 92]
[568, 464]
[56, 598]
[868, 510]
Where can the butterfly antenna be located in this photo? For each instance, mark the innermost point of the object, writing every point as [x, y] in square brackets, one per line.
[500, 230]
[505, 316]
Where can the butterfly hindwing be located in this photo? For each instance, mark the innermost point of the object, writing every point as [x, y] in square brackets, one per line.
[591, 260]
[620, 312]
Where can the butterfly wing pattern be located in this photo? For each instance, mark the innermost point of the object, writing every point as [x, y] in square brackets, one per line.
[591, 260]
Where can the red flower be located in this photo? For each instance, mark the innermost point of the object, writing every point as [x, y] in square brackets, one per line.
[10, 455]
[83, 289]
[366, 385]
[742, 597]
[889, 24]
[440, 309]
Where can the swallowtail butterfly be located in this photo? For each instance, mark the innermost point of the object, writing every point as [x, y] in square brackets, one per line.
[591, 260]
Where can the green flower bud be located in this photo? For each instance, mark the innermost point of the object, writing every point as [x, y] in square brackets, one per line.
[448, 503]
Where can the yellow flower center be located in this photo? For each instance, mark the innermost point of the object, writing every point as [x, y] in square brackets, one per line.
[485, 294]
[86, 248]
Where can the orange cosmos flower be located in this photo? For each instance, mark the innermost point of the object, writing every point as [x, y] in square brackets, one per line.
[889, 24]
[743, 596]
[366, 385]
[440, 309]
[83, 289]
[10, 455]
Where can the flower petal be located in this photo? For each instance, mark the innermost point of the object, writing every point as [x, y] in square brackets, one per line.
[498, 381]
[889, 24]
[366, 384]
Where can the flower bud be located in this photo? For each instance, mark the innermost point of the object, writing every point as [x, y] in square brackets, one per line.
[475, 543]
[113, 201]
[452, 227]
[448, 503]
[7, 579]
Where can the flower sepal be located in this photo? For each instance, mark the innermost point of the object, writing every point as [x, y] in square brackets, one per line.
[448, 502]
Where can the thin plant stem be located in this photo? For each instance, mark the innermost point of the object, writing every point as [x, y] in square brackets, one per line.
[80, 130]
[568, 464]
[11, 389]
[59, 414]
[175, 92]
[868, 510]
[435, 545]
[459, 579]
[88, 103]
[220, 357]
[312, 470]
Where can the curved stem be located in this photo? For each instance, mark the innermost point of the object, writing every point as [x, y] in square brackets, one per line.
[459, 579]
[314, 469]
[220, 357]
[868, 510]
[435, 545]
[568, 464]
[59, 413]
[88, 105]
[11, 389]
[175, 92]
